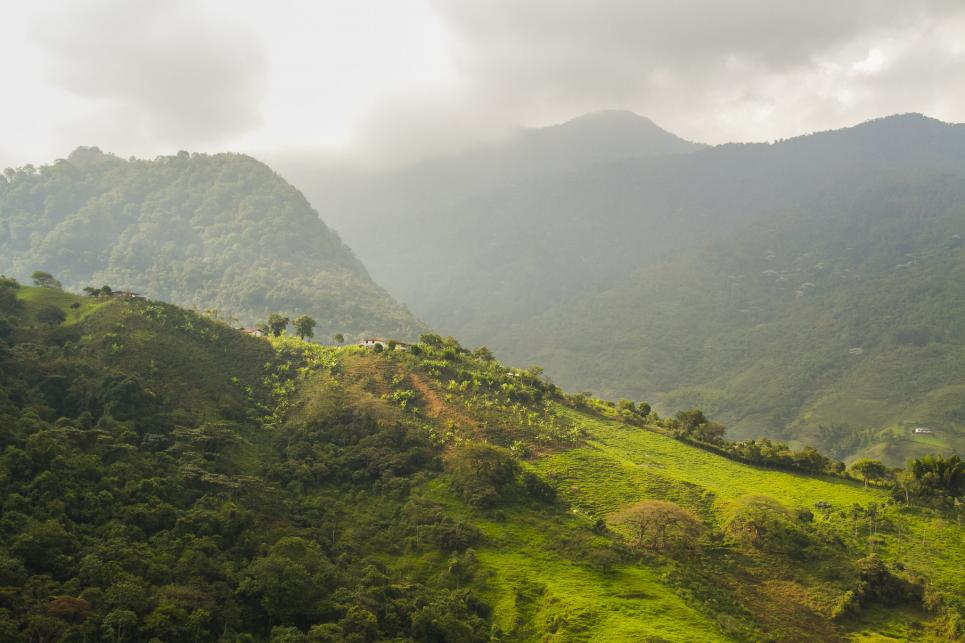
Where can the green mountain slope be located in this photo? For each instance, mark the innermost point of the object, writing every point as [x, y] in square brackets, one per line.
[851, 322]
[165, 476]
[785, 287]
[472, 261]
[222, 232]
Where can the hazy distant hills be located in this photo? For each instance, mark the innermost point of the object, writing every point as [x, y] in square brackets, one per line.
[821, 286]
[783, 286]
[388, 216]
[221, 231]
[807, 289]
[857, 321]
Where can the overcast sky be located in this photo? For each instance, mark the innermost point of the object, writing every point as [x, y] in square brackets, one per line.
[393, 80]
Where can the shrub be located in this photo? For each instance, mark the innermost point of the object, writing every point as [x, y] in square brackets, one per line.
[482, 474]
[879, 585]
[51, 315]
[762, 522]
[537, 488]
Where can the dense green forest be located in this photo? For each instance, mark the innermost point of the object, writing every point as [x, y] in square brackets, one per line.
[805, 289]
[220, 232]
[167, 477]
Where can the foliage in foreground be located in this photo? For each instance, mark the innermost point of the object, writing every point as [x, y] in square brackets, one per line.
[164, 476]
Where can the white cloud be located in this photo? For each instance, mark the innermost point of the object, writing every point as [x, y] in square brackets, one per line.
[393, 80]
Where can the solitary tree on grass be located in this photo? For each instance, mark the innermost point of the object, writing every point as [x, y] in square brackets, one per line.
[44, 279]
[660, 525]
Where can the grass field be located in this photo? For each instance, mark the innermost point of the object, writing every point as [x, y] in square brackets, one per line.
[619, 465]
[536, 574]
[36, 298]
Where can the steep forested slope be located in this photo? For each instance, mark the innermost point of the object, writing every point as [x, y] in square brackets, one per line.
[222, 232]
[164, 476]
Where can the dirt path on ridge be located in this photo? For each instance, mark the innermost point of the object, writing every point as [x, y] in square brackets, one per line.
[436, 408]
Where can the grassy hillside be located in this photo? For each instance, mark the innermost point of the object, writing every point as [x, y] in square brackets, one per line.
[166, 476]
[219, 232]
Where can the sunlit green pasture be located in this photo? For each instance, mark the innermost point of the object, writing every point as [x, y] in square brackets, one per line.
[621, 464]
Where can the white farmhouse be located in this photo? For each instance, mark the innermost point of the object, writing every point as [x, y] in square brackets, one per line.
[384, 343]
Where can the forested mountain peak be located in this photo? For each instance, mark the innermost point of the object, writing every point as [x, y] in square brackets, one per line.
[614, 133]
[90, 155]
[889, 141]
[221, 231]
[353, 205]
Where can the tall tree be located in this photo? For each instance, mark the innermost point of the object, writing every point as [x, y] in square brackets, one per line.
[277, 323]
[44, 279]
[869, 470]
[660, 525]
[305, 326]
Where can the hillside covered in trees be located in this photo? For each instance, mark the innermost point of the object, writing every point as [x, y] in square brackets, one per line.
[806, 289]
[221, 232]
[167, 477]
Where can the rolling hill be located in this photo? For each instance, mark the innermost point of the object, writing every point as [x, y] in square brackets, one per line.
[166, 476]
[224, 232]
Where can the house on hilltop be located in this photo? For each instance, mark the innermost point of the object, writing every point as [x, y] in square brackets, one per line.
[384, 343]
[254, 332]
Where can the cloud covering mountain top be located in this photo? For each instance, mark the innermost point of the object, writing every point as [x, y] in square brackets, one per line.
[391, 82]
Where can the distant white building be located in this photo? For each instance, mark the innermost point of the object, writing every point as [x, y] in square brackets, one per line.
[384, 343]
[922, 429]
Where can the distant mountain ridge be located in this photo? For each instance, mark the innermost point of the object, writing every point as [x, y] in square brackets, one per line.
[355, 203]
[393, 219]
[221, 231]
[614, 274]
[814, 285]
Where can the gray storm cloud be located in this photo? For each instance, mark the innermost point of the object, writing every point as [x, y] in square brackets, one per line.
[161, 71]
[194, 75]
[713, 71]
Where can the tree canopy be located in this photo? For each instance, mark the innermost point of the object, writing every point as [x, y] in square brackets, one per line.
[223, 230]
[660, 525]
[44, 279]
